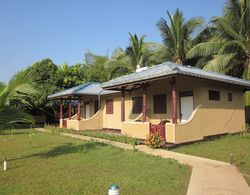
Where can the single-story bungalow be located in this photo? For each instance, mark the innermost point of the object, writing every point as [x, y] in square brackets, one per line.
[183, 103]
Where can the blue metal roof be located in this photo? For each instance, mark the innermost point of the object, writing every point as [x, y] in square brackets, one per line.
[168, 69]
[90, 88]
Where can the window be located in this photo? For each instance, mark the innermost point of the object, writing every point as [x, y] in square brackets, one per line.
[230, 97]
[137, 105]
[109, 106]
[160, 104]
[214, 95]
[96, 106]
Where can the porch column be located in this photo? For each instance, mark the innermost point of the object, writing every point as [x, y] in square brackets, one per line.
[70, 108]
[83, 109]
[79, 109]
[123, 105]
[74, 108]
[61, 109]
[144, 104]
[99, 102]
[174, 102]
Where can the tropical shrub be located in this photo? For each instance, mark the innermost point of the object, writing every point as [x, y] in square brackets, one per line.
[12, 113]
[155, 141]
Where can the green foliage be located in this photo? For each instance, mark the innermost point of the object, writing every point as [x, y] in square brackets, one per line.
[177, 34]
[136, 50]
[112, 137]
[229, 45]
[95, 68]
[97, 134]
[19, 89]
[70, 76]
[155, 141]
[44, 78]
[236, 159]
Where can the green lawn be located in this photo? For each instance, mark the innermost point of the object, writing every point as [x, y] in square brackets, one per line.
[50, 164]
[221, 149]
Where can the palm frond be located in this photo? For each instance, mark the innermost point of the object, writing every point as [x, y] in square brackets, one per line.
[220, 63]
[224, 26]
[192, 25]
[2, 86]
[231, 46]
[11, 116]
[205, 49]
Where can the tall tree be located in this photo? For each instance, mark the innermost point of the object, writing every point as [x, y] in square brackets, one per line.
[45, 80]
[70, 76]
[137, 50]
[95, 69]
[138, 53]
[18, 88]
[178, 34]
[228, 50]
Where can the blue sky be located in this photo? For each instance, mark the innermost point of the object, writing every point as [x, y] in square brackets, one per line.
[64, 30]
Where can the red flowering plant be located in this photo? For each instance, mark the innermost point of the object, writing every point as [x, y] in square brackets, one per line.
[155, 140]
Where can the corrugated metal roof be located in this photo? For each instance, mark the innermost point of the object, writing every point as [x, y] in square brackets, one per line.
[90, 88]
[168, 69]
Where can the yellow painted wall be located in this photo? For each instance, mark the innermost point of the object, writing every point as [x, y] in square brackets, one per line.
[208, 122]
[135, 129]
[213, 117]
[73, 124]
[170, 132]
[112, 121]
[93, 123]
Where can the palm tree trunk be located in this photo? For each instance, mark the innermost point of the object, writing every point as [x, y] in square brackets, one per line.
[179, 61]
[247, 65]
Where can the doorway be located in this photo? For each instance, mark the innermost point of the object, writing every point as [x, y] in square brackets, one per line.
[186, 105]
[87, 110]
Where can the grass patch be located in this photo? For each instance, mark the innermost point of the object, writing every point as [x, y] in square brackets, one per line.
[97, 134]
[51, 164]
[231, 148]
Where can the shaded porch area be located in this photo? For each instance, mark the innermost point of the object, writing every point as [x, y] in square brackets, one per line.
[80, 107]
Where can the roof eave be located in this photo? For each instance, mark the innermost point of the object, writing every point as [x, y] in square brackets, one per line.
[114, 87]
[176, 72]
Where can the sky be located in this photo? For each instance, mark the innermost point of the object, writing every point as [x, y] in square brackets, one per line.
[63, 30]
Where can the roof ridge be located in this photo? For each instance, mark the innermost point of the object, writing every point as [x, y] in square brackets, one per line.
[168, 68]
[82, 86]
[133, 73]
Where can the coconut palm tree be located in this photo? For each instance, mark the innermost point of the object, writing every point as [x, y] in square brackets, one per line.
[17, 89]
[137, 50]
[138, 53]
[228, 50]
[178, 34]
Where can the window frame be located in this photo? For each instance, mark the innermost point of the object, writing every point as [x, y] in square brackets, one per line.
[162, 103]
[229, 97]
[211, 96]
[96, 106]
[109, 106]
[137, 108]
